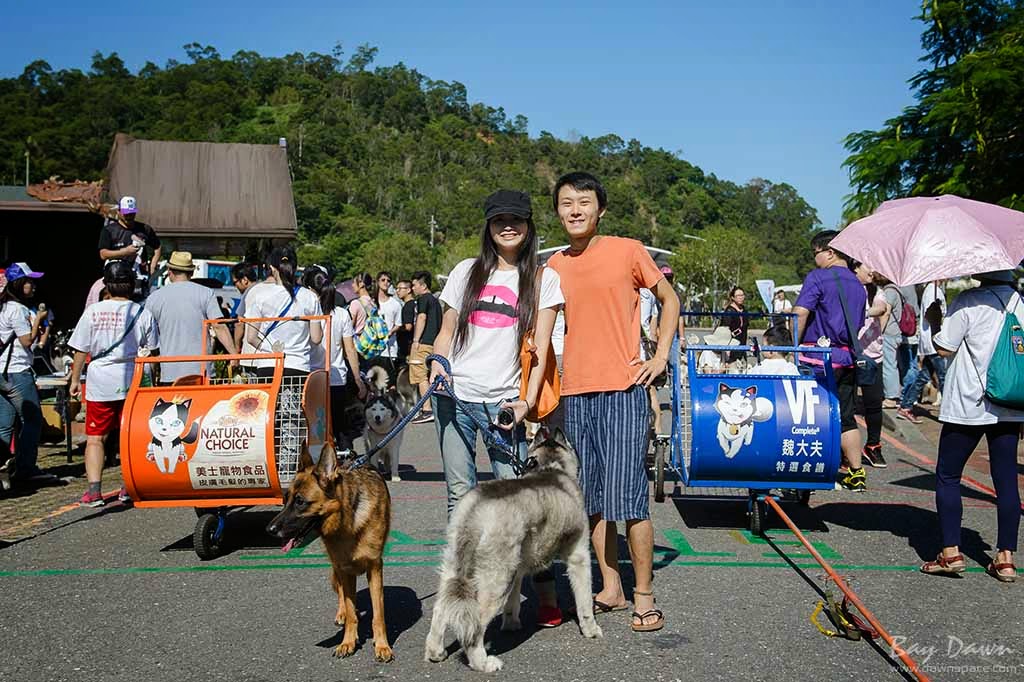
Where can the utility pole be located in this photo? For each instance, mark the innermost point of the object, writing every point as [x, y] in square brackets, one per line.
[433, 229]
[26, 168]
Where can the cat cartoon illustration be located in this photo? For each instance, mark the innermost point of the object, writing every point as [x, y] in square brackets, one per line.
[739, 409]
[167, 424]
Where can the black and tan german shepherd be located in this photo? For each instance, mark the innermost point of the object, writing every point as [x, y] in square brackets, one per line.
[351, 511]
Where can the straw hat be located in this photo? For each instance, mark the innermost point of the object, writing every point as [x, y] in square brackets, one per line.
[722, 336]
[181, 261]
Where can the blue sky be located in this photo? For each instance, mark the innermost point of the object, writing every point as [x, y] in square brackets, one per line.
[742, 88]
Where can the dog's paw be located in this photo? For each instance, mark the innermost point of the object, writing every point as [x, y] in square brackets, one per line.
[510, 624]
[383, 653]
[491, 664]
[345, 649]
[339, 618]
[590, 628]
[435, 654]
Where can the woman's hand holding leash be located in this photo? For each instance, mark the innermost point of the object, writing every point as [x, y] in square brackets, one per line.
[436, 370]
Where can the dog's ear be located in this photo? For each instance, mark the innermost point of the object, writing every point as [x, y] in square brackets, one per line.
[305, 459]
[559, 437]
[543, 434]
[327, 468]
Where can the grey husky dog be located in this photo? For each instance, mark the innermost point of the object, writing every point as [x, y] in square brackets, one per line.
[502, 531]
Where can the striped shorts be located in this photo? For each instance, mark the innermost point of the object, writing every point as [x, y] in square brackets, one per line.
[610, 432]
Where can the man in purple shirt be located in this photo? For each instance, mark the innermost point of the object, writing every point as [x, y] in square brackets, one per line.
[819, 311]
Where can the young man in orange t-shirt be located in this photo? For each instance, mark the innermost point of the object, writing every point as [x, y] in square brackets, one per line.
[604, 385]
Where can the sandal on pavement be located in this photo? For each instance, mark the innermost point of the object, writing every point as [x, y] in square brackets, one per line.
[601, 607]
[954, 565]
[994, 571]
[657, 614]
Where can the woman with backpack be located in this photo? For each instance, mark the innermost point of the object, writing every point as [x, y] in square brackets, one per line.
[972, 335]
[491, 302]
[293, 338]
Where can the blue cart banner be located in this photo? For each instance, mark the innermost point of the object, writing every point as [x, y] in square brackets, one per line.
[752, 430]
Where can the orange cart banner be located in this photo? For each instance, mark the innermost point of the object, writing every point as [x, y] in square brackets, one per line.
[200, 442]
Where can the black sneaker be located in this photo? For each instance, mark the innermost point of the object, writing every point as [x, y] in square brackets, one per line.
[873, 456]
[854, 479]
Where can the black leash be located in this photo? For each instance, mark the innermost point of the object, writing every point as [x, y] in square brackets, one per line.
[445, 385]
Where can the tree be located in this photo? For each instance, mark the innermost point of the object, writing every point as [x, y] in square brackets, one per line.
[400, 254]
[725, 257]
[965, 134]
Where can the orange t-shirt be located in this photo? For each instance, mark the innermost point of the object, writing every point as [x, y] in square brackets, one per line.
[602, 312]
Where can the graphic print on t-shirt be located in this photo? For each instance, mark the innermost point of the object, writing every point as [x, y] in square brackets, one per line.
[495, 308]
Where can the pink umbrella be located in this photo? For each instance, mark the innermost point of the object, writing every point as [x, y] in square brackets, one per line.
[923, 239]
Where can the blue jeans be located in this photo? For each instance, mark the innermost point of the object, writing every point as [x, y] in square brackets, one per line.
[19, 398]
[456, 432]
[890, 367]
[917, 377]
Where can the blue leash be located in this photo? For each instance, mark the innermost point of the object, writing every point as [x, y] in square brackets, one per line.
[442, 384]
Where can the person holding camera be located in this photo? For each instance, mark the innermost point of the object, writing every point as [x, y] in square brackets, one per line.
[130, 240]
[491, 302]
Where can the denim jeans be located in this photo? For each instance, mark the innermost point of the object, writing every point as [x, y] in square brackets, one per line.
[916, 379]
[456, 432]
[890, 367]
[19, 398]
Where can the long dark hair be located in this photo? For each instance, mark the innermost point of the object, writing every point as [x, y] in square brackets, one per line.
[13, 291]
[484, 265]
[318, 280]
[284, 261]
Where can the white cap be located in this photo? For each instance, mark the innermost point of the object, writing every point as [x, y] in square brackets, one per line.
[127, 205]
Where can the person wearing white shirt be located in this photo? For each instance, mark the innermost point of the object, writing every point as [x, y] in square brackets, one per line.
[287, 299]
[968, 338]
[928, 361]
[19, 329]
[112, 333]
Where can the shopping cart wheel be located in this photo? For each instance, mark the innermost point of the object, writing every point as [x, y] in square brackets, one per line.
[660, 449]
[208, 535]
[758, 512]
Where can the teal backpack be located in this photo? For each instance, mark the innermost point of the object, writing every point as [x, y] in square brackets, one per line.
[1004, 383]
[373, 340]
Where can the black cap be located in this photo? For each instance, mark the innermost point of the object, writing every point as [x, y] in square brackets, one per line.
[508, 201]
[118, 272]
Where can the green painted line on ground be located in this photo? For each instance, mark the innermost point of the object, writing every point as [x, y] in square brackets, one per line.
[204, 568]
[401, 538]
[683, 546]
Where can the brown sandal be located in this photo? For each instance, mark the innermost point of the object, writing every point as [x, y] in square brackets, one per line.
[659, 622]
[944, 566]
[994, 568]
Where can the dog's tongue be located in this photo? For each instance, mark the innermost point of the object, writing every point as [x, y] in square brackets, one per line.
[289, 545]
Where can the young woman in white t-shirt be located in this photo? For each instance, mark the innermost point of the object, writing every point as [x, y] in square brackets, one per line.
[490, 302]
[293, 338]
[969, 335]
[19, 330]
[347, 386]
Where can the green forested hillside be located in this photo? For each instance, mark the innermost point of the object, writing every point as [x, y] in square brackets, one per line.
[376, 151]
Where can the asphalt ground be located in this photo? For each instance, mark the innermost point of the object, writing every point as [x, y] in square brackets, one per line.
[118, 593]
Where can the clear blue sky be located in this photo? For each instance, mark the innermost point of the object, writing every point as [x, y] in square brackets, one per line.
[742, 88]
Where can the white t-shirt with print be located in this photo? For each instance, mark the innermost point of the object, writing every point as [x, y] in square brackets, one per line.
[391, 311]
[486, 368]
[293, 336]
[974, 320]
[15, 319]
[341, 328]
[99, 328]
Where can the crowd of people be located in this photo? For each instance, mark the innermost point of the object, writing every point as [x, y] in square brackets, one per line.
[606, 308]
